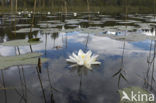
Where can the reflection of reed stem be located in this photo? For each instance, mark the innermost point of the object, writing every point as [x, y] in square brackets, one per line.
[121, 70]
[51, 88]
[25, 85]
[46, 44]
[151, 64]
[20, 79]
[41, 84]
[66, 40]
[87, 42]
[80, 87]
[5, 92]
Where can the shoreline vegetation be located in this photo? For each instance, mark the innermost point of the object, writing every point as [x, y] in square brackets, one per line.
[102, 6]
[104, 9]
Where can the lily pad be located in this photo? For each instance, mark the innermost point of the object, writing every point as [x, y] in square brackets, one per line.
[128, 22]
[26, 30]
[26, 59]
[129, 37]
[21, 42]
[49, 30]
[123, 28]
[23, 25]
[126, 95]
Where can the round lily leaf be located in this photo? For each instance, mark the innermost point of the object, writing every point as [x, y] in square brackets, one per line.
[21, 42]
[25, 59]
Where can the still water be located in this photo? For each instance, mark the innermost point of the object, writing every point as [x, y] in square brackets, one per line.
[61, 35]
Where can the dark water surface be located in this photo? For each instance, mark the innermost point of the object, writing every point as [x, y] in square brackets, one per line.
[60, 36]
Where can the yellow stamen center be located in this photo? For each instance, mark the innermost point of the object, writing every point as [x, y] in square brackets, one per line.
[82, 56]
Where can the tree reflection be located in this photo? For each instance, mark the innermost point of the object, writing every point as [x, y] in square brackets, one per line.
[4, 85]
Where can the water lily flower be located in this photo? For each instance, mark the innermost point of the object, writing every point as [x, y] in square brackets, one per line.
[83, 59]
[19, 13]
[29, 15]
[75, 14]
[49, 13]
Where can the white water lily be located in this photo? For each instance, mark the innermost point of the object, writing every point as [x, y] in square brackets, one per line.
[83, 59]
[49, 13]
[75, 14]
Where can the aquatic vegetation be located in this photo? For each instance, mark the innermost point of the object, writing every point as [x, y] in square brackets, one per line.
[48, 12]
[83, 59]
[129, 37]
[75, 14]
[125, 28]
[60, 37]
[25, 59]
[29, 15]
[145, 25]
[91, 30]
[19, 13]
[73, 21]
[34, 40]
[49, 30]
[22, 25]
[21, 42]
[26, 30]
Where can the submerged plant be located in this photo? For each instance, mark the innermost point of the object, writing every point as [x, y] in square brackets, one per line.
[83, 59]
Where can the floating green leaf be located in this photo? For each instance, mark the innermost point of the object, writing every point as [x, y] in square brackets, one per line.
[130, 37]
[26, 59]
[21, 42]
[26, 30]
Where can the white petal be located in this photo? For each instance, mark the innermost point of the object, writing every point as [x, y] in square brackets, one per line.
[80, 52]
[75, 56]
[74, 65]
[70, 60]
[89, 53]
[95, 56]
[88, 66]
[80, 61]
[96, 62]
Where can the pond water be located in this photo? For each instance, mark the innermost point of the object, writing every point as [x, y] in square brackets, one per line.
[56, 82]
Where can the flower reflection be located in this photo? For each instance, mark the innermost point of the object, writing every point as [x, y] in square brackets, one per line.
[83, 59]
